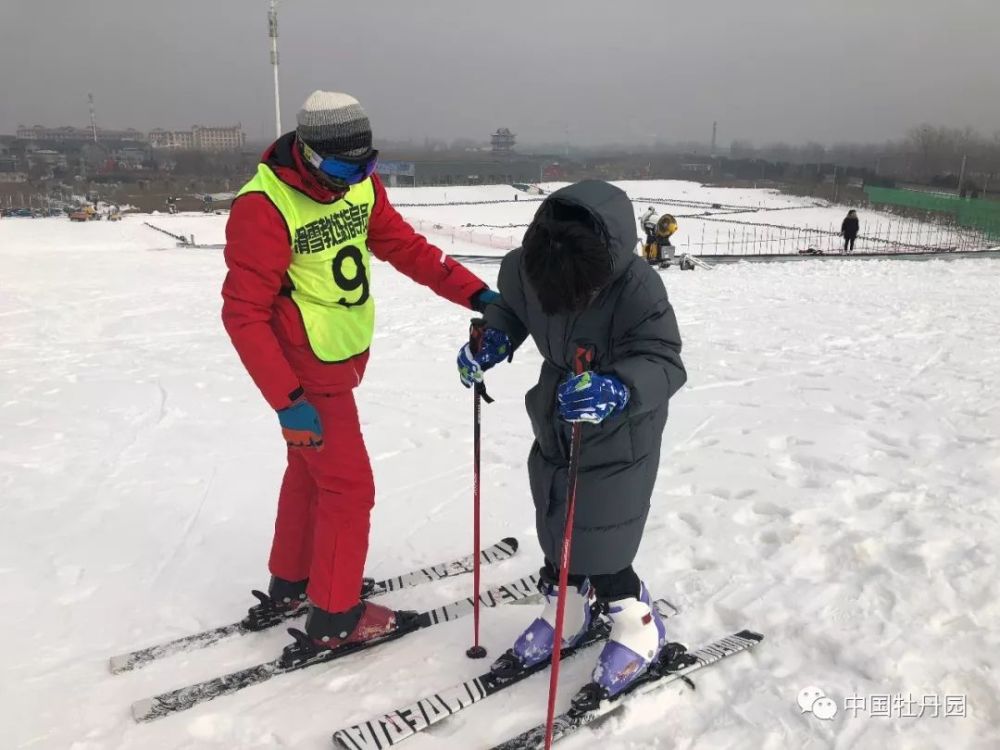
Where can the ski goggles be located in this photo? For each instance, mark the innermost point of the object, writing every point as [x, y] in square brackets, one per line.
[344, 170]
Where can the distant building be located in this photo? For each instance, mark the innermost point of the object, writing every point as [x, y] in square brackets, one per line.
[47, 158]
[200, 138]
[10, 166]
[94, 156]
[180, 139]
[219, 139]
[397, 173]
[8, 161]
[503, 142]
[130, 157]
[77, 135]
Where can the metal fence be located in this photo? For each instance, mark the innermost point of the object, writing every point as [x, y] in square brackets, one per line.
[718, 232]
[718, 236]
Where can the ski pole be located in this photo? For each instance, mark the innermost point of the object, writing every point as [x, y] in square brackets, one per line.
[581, 363]
[476, 328]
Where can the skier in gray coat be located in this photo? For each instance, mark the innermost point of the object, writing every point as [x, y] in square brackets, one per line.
[576, 280]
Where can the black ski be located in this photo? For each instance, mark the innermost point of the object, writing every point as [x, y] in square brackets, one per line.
[502, 550]
[187, 697]
[401, 724]
[678, 664]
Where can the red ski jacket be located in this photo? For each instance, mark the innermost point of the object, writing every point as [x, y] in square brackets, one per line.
[260, 317]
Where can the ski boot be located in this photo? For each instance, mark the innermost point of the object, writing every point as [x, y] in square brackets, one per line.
[282, 600]
[637, 637]
[335, 631]
[534, 645]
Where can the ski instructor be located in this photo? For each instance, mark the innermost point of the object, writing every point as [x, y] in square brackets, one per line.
[298, 305]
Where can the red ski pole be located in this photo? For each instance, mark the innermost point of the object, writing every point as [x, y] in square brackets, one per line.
[581, 363]
[476, 328]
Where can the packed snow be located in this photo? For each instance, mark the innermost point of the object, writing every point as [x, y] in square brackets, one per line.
[829, 478]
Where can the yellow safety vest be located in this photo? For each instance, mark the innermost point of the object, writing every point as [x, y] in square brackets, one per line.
[331, 264]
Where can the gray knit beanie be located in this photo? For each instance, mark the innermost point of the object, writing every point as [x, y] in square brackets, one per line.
[333, 124]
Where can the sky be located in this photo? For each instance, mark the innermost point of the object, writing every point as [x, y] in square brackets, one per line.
[580, 71]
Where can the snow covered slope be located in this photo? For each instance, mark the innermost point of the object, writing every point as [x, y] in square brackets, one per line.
[485, 220]
[830, 477]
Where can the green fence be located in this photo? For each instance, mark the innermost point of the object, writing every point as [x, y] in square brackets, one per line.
[977, 214]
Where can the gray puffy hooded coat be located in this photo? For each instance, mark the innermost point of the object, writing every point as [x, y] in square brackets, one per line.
[634, 332]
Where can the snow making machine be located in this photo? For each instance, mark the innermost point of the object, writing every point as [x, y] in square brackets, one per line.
[657, 248]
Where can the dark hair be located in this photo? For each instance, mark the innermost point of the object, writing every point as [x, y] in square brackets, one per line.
[566, 261]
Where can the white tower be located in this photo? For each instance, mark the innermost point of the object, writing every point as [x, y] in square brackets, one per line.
[272, 31]
[93, 117]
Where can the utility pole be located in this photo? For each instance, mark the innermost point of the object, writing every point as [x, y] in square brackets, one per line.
[272, 31]
[961, 176]
[715, 132]
[93, 117]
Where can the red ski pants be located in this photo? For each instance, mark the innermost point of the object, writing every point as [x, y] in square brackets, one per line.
[321, 532]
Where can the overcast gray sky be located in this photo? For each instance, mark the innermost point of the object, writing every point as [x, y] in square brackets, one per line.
[603, 71]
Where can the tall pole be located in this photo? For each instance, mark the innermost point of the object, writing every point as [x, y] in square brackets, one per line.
[961, 176]
[93, 117]
[272, 30]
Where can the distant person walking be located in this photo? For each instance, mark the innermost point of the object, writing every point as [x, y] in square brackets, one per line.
[849, 230]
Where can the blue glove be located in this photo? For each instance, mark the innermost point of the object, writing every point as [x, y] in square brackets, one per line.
[591, 397]
[300, 425]
[495, 347]
[482, 298]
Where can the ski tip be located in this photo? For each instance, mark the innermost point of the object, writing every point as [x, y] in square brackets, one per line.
[120, 663]
[511, 542]
[750, 635]
[142, 710]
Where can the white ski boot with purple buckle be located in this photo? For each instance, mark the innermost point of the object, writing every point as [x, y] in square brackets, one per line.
[637, 637]
[534, 645]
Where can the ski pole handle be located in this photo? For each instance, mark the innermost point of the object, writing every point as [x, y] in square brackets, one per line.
[583, 360]
[477, 327]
